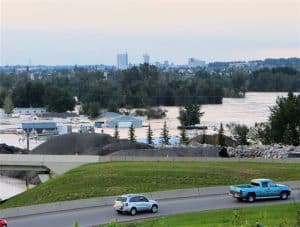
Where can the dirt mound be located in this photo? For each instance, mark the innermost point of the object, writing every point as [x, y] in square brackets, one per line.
[86, 144]
[123, 145]
[213, 140]
[202, 150]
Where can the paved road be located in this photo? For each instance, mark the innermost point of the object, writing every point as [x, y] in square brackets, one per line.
[103, 215]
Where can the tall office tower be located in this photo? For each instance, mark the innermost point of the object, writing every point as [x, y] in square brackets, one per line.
[146, 59]
[122, 61]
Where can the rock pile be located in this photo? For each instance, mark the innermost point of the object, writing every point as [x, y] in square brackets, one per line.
[274, 151]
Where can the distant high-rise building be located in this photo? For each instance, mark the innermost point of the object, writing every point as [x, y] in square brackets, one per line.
[194, 62]
[166, 64]
[146, 59]
[122, 61]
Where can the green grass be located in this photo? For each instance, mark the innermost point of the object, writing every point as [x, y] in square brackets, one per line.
[105, 179]
[284, 215]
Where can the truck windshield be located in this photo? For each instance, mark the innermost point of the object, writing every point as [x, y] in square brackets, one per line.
[255, 184]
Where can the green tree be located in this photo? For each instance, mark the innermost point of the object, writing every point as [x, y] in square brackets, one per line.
[116, 133]
[221, 137]
[165, 138]
[8, 105]
[183, 137]
[285, 120]
[91, 109]
[203, 139]
[3, 94]
[190, 115]
[58, 100]
[132, 137]
[240, 133]
[149, 135]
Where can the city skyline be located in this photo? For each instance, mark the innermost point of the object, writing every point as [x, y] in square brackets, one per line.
[92, 32]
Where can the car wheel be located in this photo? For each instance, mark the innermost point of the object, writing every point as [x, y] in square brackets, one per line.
[251, 198]
[284, 195]
[154, 209]
[133, 211]
[239, 199]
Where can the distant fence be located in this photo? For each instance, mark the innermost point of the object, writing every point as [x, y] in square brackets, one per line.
[113, 158]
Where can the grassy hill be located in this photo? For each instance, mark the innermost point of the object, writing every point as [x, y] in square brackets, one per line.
[105, 179]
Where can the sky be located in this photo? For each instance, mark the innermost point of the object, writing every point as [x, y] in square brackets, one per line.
[58, 32]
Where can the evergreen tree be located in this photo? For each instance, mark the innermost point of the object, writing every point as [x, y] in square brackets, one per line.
[165, 138]
[183, 137]
[132, 134]
[116, 133]
[149, 135]
[8, 105]
[285, 120]
[240, 133]
[221, 138]
[190, 115]
[203, 139]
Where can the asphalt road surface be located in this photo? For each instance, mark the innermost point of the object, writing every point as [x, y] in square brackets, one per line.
[104, 214]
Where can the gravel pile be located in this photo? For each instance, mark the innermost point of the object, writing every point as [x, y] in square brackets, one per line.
[274, 151]
[85, 144]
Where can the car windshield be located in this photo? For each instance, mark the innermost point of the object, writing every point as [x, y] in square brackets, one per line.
[121, 199]
[255, 184]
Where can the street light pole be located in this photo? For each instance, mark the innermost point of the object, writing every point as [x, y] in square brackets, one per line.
[27, 134]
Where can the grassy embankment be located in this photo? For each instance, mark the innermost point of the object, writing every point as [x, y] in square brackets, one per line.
[283, 215]
[116, 178]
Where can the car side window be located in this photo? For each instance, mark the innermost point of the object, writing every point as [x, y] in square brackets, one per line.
[144, 199]
[134, 199]
[264, 184]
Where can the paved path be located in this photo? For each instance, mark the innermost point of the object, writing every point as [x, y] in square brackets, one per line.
[104, 214]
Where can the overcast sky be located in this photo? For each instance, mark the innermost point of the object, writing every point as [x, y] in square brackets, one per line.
[57, 32]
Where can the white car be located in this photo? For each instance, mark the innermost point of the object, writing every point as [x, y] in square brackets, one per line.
[132, 203]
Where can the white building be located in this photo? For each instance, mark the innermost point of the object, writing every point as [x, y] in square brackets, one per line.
[194, 62]
[146, 59]
[29, 111]
[122, 61]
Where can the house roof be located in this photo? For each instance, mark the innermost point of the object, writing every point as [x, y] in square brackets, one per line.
[125, 118]
[110, 114]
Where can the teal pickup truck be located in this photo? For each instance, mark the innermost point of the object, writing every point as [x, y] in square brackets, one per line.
[260, 189]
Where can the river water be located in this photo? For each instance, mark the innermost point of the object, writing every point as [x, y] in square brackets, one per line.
[255, 107]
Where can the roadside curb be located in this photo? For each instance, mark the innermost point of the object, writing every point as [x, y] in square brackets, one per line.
[109, 200]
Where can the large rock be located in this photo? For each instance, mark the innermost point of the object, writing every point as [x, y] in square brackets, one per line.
[274, 151]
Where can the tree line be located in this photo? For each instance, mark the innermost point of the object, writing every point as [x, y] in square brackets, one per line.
[139, 86]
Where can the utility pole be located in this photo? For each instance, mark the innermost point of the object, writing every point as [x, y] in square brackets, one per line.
[27, 134]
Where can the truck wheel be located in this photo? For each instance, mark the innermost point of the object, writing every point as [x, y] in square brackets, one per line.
[284, 195]
[251, 198]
